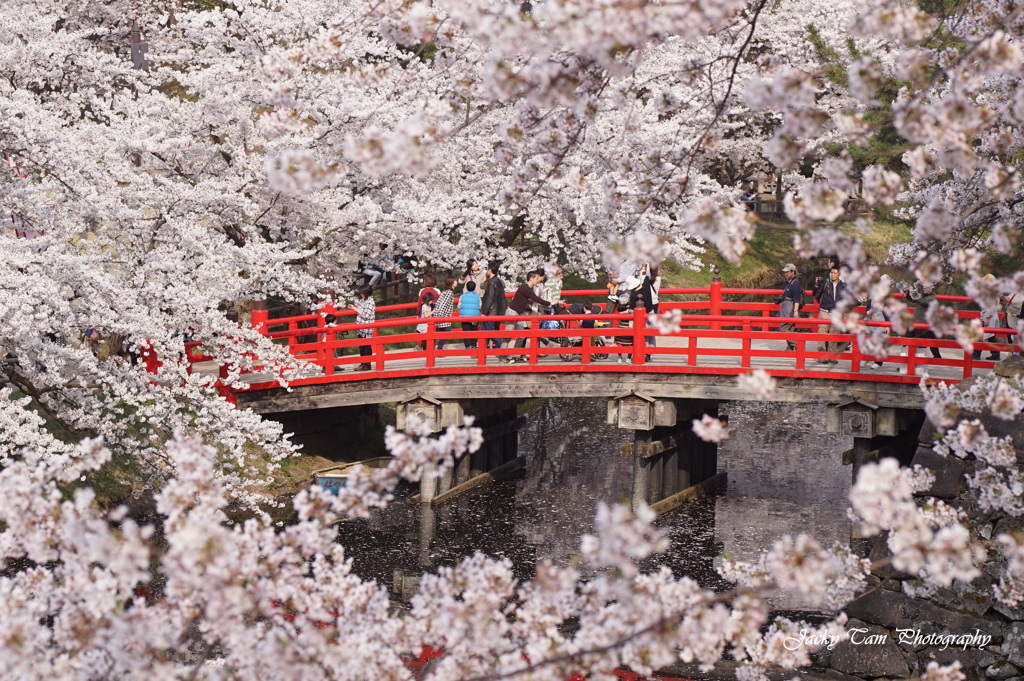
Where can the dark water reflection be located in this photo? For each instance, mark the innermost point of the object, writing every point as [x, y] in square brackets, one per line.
[573, 462]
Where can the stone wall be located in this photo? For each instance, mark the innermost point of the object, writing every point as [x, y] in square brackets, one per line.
[962, 609]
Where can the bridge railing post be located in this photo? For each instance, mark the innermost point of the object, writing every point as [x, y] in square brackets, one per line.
[429, 342]
[801, 347]
[260, 320]
[223, 388]
[715, 300]
[745, 357]
[481, 344]
[856, 354]
[292, 338]
[639, 326]
[377, 349]
[321, 346]
[149, 358]
[968, 364]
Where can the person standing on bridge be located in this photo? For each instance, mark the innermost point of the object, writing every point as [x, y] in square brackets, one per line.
[476, 274]
[429, 286]
[366, 313]
[426, 310]
[921, 306]
[493, 302]
[517, 307]
[444, 307]
[828, 294]
[789, 301]
[469, 306]
[624, 341]
[1010, 303]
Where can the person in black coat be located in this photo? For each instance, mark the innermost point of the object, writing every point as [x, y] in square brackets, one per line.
[828, 293]
[493, 302]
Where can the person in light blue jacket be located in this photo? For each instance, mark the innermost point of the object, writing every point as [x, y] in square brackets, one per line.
[469, 306]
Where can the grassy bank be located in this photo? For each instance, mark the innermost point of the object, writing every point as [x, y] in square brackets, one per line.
[769, 249]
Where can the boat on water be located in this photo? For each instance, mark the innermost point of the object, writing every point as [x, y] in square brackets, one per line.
[334, 478]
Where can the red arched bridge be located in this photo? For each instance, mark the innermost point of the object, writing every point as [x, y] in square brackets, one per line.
[722, 332]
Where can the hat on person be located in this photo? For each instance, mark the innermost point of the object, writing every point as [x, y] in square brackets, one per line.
[789, 267]
[633, 283]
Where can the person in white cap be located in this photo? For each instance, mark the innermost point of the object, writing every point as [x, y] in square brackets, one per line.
[789, 305]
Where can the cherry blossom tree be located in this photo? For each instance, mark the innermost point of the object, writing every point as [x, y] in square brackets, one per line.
[269, 146]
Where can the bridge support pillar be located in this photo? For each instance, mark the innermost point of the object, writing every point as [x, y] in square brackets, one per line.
[872, 428]
[670, 463]
[497, 456]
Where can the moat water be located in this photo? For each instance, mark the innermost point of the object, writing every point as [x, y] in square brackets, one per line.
[785, 476]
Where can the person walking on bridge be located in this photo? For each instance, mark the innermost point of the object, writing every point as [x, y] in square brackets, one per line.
[789, 301]
[828, 294]
[493, 303]
[517, 307]
[921, 306]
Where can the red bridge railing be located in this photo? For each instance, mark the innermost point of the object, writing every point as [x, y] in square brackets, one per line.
[721, 331]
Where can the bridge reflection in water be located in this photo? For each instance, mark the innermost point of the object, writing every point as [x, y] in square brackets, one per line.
[782, 481]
